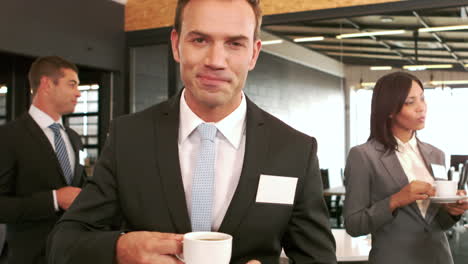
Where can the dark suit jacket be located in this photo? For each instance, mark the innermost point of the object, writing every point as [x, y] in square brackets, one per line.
[372, 176]
[138, 180]
[29, 171]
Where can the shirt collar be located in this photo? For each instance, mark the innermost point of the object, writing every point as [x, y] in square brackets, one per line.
[232, 127]
[412, 143]
[41, 118]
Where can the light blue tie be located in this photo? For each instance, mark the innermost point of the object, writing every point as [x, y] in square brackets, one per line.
[62, 154]
[203, 180]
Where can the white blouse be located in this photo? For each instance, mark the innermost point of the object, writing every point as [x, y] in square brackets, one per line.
[414, 166]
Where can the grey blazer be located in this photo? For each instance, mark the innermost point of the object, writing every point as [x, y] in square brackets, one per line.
[372, 176]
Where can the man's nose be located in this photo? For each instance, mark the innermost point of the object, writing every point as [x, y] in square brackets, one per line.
[216, 56]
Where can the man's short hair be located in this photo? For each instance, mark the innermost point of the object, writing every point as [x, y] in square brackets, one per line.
[50, 66]
[255, 4]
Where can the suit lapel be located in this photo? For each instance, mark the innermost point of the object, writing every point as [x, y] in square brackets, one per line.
[76, 144]
[255, 153]
[36, 132]
[395, 170]
[166, 125]
[426, 153]
[391, 163]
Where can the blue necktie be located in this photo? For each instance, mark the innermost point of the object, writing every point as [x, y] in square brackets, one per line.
[62, 154]
[203, 180]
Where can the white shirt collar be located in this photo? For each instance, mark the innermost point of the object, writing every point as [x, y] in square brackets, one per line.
[232, 127]
[41, 118]
[412, 143]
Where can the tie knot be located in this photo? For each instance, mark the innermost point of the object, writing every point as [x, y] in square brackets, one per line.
[207, 131]
[55, 127]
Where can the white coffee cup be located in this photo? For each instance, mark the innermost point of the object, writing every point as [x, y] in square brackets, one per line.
[206, 248]
[446, 188]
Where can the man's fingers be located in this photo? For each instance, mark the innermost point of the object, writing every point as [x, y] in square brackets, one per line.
[168, 236]
[166, 246]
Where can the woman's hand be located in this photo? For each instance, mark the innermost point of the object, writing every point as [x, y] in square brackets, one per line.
[415, 190]
[459, 207]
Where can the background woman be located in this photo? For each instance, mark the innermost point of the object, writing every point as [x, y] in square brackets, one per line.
[389, 180]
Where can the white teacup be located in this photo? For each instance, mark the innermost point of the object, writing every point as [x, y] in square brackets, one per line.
[206, 248]
[446, 188]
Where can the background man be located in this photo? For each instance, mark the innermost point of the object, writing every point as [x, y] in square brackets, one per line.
[204, 160]
[40, 174]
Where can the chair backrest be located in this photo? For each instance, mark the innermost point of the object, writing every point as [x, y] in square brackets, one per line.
[457, 159]
[463, 176]
[325, 178]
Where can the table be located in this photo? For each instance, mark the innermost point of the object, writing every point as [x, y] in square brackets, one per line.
[335, 205]
[349, 249]
[340, 190]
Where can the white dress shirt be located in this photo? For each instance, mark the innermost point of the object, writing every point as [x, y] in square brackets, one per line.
[414, 166]
[230, 149]
[44, 121]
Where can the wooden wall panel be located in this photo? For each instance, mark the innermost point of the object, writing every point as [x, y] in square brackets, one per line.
[147, 14]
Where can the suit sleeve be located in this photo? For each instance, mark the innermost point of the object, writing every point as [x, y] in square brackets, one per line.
[308, 238]
[88, 231]
[362, 216]
[15, 208]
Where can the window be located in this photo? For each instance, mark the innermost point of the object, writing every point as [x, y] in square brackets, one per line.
[85, 121]
[446, 125]
[3, 102]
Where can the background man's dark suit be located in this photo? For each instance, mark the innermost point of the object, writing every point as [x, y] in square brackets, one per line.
[138, 180]
[29, 171]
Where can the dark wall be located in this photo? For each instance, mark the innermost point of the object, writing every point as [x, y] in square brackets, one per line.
[86, 32]
[89, 33]
[309, 100]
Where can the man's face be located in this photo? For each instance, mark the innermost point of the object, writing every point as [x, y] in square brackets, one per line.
[64, 93]
[215, 49]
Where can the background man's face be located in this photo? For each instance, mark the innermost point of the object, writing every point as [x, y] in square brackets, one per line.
[215, 49]
[64, 92]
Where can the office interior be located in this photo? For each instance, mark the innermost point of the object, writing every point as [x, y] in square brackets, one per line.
[310, 74]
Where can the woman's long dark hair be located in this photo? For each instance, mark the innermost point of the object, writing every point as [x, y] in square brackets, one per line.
[389, 95]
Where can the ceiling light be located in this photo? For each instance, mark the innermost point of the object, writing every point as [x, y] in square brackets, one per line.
[380, 68]
[449, 28]
[386, 19]
[272, 42]
[374, 33]
[3, 89]
[368, 84]
[425, 67]
[449, 82]
[309, 39]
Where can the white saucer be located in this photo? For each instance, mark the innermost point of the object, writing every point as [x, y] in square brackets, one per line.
[448, 199]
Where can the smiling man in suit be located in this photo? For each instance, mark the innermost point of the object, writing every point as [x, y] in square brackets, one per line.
[206, 160]
[40, 174]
